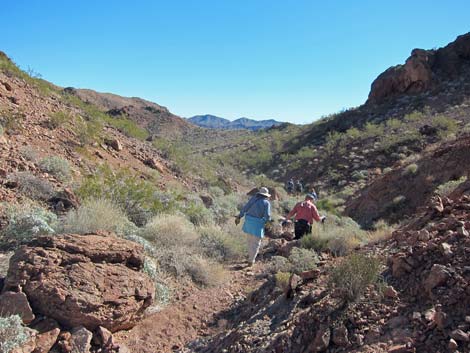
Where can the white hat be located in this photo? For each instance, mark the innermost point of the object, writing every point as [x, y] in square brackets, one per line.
[264, 192]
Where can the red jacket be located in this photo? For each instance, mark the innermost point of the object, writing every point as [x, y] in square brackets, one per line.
[305, 210]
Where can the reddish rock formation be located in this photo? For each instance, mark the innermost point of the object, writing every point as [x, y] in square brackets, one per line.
[83, 280]
[423, 70]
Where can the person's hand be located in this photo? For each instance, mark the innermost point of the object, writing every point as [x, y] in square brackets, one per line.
[237, 220]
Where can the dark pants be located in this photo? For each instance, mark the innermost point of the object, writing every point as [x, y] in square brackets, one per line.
[301, 228]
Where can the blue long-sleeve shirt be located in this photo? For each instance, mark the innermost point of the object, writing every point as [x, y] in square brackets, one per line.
[258, 207]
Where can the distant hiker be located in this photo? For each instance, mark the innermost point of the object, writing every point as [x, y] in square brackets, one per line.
[290, 186]
[314, 193]
[256, 212]
[305, 213]
[299, 186]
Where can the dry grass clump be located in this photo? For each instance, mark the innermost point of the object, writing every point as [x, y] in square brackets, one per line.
[178, 249]
[94, 215]
[282, 280]
[353, 275]
[221, 246]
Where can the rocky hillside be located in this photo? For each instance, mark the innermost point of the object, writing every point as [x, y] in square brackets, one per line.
[215, 122]
[158, 120]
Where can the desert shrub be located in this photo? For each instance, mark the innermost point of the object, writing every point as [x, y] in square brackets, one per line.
[216, 191]
[226, 207]
[33, 187]
[12, 122]
[387, 170]
[29, 153]
[411, 169]
[279, 264]
[314, 242]
[326, 205]
[27, 221]
[162, 291]
[204, 272]
[57, 166]
[58, 119]
[220, 245]
[353, 133]
[303, 260]
[138, 198]
[381, 230]
[282, 280]
[12, 333]
[170, 230]
[353, 275]
[343, 245]
[446, 126]
[394, 124]
[414, 116]
[359, 174]
[127, 126]
[446, 189]
[94, 215]
[197, 213]
[372, 130]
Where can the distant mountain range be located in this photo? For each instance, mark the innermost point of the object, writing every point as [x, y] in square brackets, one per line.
[215, 122]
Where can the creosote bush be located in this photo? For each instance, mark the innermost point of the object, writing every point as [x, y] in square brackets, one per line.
[411, 169]
[57, 166]
[353, 275]
[12, 333]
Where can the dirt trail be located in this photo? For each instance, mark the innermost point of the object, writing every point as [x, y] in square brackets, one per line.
[195, 313]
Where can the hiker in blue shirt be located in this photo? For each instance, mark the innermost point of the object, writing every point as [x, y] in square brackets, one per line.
[256, 212]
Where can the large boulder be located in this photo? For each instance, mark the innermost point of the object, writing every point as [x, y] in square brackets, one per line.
[83, 280]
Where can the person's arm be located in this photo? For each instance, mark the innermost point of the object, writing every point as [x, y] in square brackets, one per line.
[292, 212]
[316, 216]
[267, 211]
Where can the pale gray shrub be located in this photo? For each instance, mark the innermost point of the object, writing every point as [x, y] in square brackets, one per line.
[57, 166]
[12, 333]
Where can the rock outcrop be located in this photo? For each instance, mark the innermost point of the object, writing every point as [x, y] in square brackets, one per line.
[83, 280]
[423, 70]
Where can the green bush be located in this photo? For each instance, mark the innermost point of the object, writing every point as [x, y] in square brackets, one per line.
[279, 264]
[127, 126]
[27, 221]
[58, 119]
[314, 242]
[94, 215]
[221, 246]
[197, 213]
[411, 169]
[57, 166]
[446, 126]
[446, 189]
[353, 275]
[282, 280]
[303, 260]
[138, 198]
[12, 333]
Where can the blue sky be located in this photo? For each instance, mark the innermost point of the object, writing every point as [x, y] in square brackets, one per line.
[289, 60]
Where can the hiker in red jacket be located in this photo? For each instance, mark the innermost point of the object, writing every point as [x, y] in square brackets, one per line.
[305, 213]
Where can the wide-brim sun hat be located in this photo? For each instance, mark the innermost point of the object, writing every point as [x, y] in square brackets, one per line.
[264, 192]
